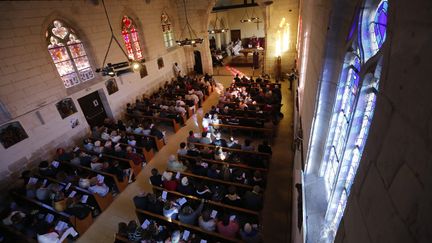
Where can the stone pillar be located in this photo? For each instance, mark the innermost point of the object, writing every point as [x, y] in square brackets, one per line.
[218, 40]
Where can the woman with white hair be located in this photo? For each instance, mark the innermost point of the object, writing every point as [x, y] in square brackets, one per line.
[174, 164]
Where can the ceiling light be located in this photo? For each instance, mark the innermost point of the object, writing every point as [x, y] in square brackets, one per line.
[193, 38]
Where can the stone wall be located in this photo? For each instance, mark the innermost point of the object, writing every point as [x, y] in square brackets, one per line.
[391, 197]
[30, 84]
[390, 200]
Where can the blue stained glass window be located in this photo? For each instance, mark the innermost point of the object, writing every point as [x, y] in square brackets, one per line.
[354, 24]
[380, 23]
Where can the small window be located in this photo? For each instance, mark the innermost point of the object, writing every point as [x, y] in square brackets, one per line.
[131, 39]
[68, 54]
[167, 30]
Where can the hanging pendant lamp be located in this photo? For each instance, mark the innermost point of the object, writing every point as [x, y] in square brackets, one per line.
[193, 38]
[216, 30]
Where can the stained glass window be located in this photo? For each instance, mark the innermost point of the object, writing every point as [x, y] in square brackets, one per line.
[131, 39]
[167, 30]
[68, 54]
[353, 110]
[380, 23]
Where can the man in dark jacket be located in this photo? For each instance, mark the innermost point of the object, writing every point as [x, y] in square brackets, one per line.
[252, 199]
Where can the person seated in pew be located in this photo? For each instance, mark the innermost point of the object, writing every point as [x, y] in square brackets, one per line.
[180, 109]
[182, 150]
[174, 164]
[253, 200]
[188, 215]
[154, 131]
[250, 234]
[120, 171]
[46, 169]
[85, 159]
[213, 110]
[147, 130]
[168, 182]
[171, 209]
[206, 121]
[118, 151]
[62, 155]
[97, 148]
[137, 159]
[206, 222]
[202, 191]
[76, 156]
[134, 231]
[154, 205]
[191, 138]
[257, 179]
[108, 147]
[105, 136]
[215, 120]
[238, 176]
[265, 147]
[88, 144]
[185, 187]
[207, 153]
[248, 145]
[232, 198]
[192, 150]
[233, 143]
[156, 178]
[115, 137]
[219, 154]
[98, 186]
[96, 164]
[131, 141]
[197, 167]
[213, 172]
[219, 141]
[141, 200]
[228, 227]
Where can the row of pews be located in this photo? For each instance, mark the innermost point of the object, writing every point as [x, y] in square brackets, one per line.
[82, 203]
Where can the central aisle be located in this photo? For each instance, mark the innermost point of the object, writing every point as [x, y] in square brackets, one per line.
[277, 203]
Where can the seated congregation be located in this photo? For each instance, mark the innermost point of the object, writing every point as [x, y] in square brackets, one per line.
[60, 198]
[212, 189]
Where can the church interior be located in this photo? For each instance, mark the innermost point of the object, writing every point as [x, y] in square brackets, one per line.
[250, 121]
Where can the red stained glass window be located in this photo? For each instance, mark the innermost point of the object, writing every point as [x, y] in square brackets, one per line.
[131, 39]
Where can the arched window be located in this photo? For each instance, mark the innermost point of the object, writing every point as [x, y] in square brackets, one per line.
[353, 110]
[379, 24]
[131, 39]
[373, 27]
[167, 30]
[68, 54]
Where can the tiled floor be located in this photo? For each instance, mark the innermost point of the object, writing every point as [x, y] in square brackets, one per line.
[277, 204]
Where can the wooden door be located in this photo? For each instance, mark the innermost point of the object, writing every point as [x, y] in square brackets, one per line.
[93, 109]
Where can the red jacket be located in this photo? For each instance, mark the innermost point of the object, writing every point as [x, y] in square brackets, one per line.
[170, 185]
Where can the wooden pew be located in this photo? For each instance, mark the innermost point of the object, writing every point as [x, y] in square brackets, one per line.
[121, 185]
[270, 132]
[220, 162]
[226, 183]
[175, 125]
[268, 156]
[81, 225]
[159, 142]
[143, 214]
[135, 168]
[214, 203]
[103, 202]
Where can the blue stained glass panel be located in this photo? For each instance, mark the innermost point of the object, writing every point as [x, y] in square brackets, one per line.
[381, 23]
